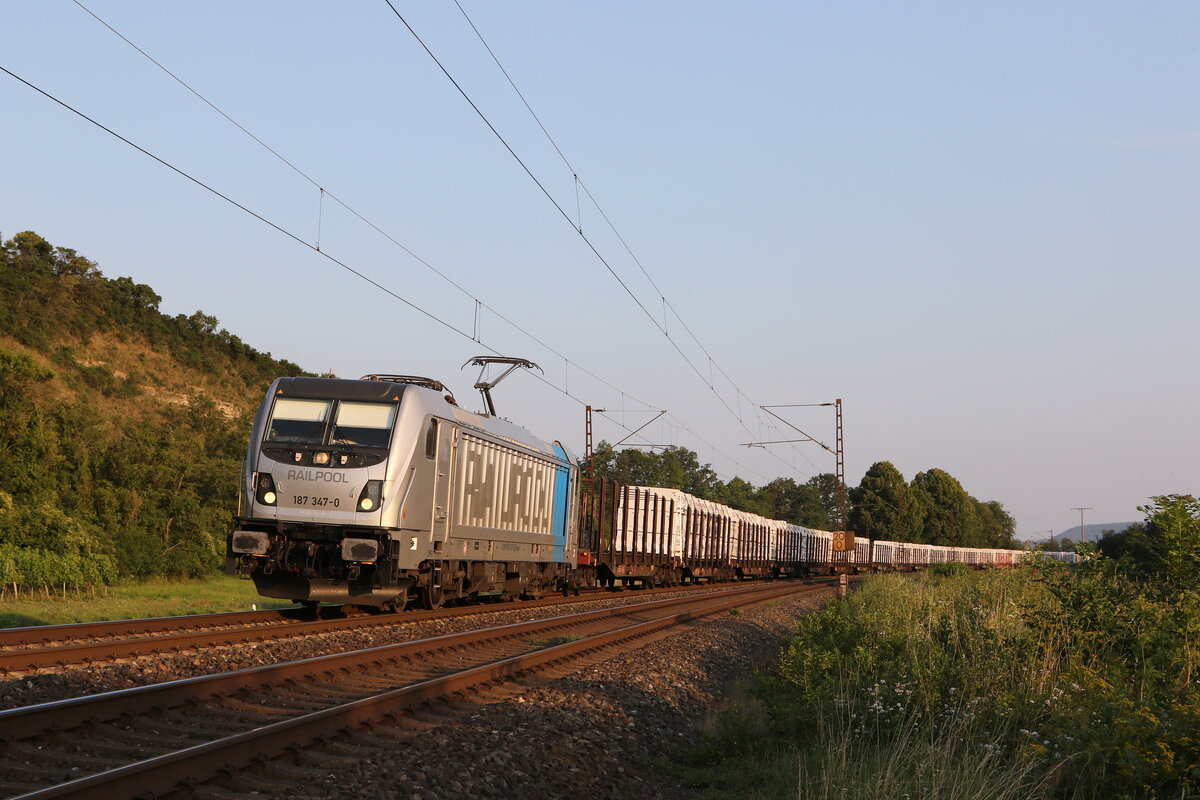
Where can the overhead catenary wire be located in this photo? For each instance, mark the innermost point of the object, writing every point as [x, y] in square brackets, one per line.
[280, 229]
[323, 193]
[566, 216]
[579, 183]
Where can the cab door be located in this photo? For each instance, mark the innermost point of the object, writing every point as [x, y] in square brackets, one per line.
[447, 445]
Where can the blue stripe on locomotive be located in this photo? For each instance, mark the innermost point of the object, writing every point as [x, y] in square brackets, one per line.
[562, 495]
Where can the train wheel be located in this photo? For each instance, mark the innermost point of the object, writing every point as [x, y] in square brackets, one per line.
[431, 597]
[311, 608]
[397, 605]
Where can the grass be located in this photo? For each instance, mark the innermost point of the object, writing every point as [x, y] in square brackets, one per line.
[1047, 681]
[153, 598]
[911, 688]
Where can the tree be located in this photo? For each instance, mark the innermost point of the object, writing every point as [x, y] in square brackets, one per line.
[30, 253]
[1131, 545]
[673, 468]
[999, 528]
[777, 498]
[743, 496]
[881, 504]
[1173, 539]
[950, 516]
[815, 503]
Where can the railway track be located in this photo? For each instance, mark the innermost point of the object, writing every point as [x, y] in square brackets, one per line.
[55, 646]
[147, 740]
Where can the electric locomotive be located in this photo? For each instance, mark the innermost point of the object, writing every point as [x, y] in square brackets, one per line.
[376, 491]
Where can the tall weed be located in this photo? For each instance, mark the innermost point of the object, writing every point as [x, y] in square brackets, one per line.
[1048, 681]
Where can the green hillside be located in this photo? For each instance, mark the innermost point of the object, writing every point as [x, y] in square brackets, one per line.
[121, 428]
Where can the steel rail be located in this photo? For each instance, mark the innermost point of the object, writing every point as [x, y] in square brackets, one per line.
[43, 634]
[186, 768]
[29, 721]
[257, 626]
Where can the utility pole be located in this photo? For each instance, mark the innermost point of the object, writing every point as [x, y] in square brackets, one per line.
[587, 441]
[838, 452]
[588, 453]
[1051, 532]
[843, 521]
[1082, 529]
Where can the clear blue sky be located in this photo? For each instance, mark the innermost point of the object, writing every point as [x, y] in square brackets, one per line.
[974, 222]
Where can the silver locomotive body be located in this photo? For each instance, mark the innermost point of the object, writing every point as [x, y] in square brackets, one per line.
[368, 491]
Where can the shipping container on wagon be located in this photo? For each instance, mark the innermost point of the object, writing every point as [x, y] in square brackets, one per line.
[709, 540]
[789, 549]
[884, 553]
[751, 556]
[654, 535]
[643, 543]
[920, 555]
[861, 555]
[819, 550]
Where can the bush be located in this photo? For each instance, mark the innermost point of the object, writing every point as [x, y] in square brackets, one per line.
[948, 569]
[34, 568]
[1051, 680]
[45, 527]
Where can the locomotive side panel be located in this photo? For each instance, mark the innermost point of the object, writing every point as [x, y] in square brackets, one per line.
[508, 503]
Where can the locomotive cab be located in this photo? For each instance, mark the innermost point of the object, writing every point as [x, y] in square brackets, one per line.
[369, 491]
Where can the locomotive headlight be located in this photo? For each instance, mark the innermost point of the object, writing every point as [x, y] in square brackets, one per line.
[320, 458]
[371, 496]
[264, 490]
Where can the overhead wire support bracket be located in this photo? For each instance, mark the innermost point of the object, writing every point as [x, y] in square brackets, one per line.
[777, 441]
[808, 438]
[640, 427]
[485, 387]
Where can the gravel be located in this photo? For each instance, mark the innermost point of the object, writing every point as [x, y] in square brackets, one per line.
[600, 732]
[58, 683]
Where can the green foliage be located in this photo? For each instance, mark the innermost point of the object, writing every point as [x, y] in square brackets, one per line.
[950, 515]
[42, 546]
[51, 290]
[933, 509]
[948, 569]
[88, 493]
[1131, 544]
[673, 468]
[1062, 680]
[45, 527]
[999, 528]
[907, 687]
[1129, 653]
[1173, 540]
[882, 506]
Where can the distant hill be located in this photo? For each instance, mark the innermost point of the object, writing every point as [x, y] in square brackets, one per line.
[1094, 532]
[121, 428]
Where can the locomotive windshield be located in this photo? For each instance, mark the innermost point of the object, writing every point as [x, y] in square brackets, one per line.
[298, 421]
[365, 424]
[305, 421]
